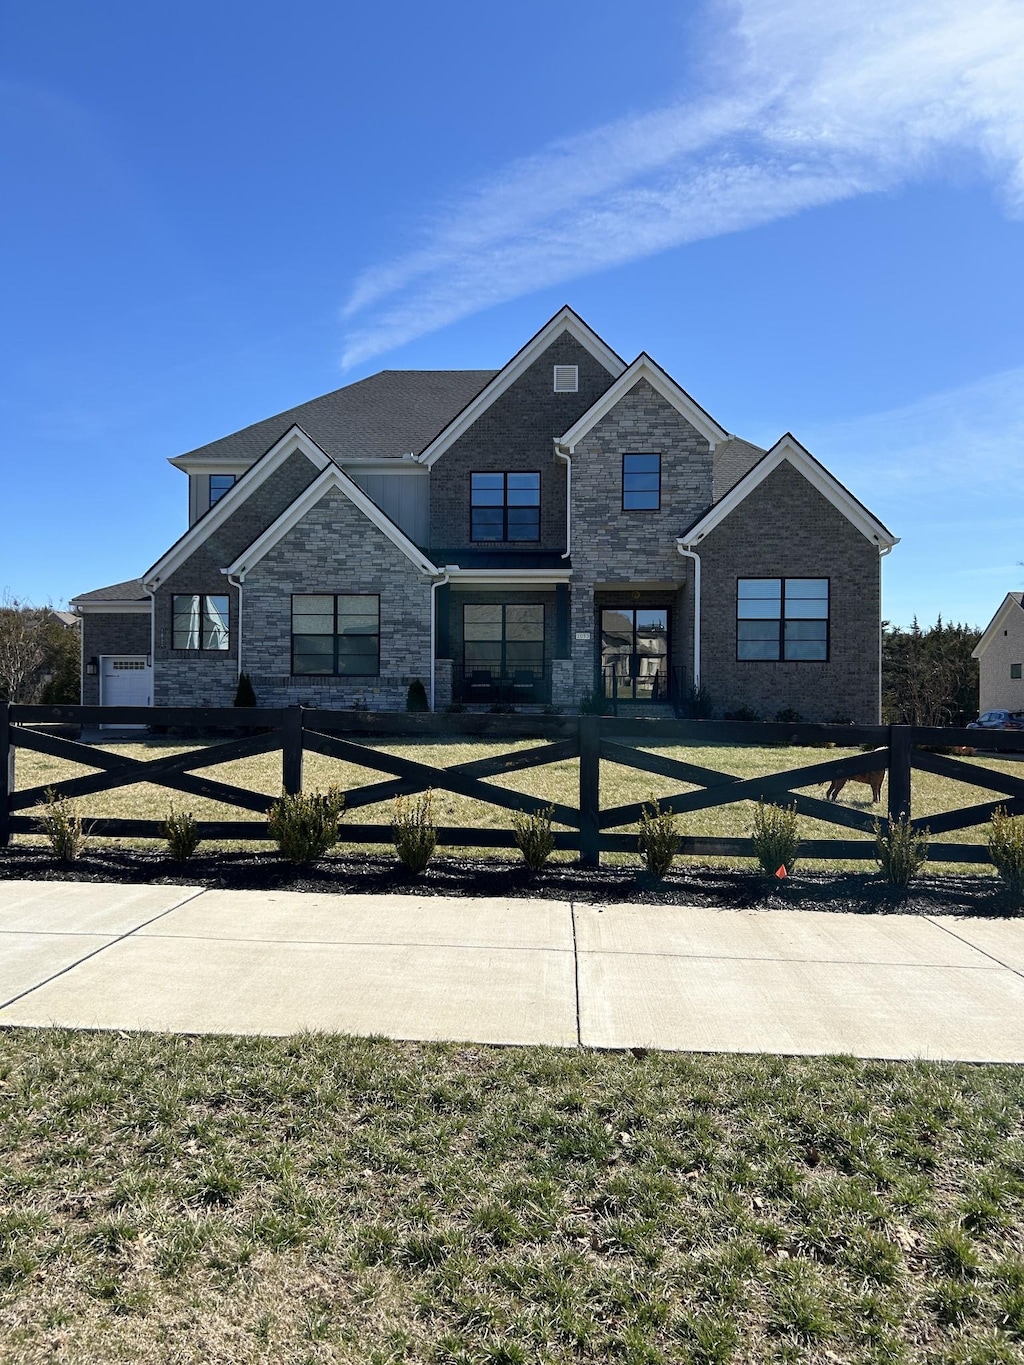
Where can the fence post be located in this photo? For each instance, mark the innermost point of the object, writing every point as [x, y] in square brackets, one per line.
[900, 749]
[7, 752]
[291, 750]
[590, 790]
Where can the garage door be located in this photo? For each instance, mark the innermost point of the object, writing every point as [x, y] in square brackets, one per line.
[126, 681]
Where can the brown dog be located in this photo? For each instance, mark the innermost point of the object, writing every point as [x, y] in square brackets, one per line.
[872, 780]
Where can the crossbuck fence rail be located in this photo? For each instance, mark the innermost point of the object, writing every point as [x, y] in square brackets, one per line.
[587, 828]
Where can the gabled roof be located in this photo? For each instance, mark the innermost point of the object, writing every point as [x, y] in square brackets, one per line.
[788, 448]
[386, 415]
[565, 320]
[1011, 604]
[732, 459]
[331, 478]
[292, 441]
[643, 367]
[132, 591]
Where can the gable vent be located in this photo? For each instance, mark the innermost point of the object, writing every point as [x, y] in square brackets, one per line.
[566, 378]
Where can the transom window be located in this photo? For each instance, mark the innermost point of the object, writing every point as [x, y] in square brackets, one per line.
[782, 618]
[219, 485]
[199, 621]
[505, 507]
[641, 483]
[337, 634]
[503, 641]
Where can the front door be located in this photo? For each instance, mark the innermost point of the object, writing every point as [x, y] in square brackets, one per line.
[634, 653]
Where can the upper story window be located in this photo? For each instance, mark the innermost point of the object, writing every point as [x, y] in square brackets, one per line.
[336, 634]
[641, 483]
[199, 621]
[219, 485]
[567, 378]
[505, 507]
[782, 618]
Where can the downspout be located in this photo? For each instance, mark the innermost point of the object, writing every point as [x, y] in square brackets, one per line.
[237, 583]
[562, 454]
[152, 646]
[692, 554]
[883, 550]
[437, 583]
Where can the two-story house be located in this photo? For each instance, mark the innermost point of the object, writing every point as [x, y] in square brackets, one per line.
[567, 525]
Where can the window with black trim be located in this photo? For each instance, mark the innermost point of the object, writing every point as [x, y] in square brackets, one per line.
[337, 634]
[782, 619]
[641, 483]
[503, 641]
[219, 485]
[505, 506]
[199, 621]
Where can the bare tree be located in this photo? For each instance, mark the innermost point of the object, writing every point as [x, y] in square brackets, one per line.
[35, 648]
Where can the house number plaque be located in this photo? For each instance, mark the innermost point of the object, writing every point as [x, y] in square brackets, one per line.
[583, 635]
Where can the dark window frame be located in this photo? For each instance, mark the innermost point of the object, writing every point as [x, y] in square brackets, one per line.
[782, 618]
[503, 474]
[334, 636]
[504, 670]
[204, 598]
[213, 501]
[1015, 674]
[645, 454]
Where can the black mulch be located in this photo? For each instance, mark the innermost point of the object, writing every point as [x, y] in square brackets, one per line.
[712, 887]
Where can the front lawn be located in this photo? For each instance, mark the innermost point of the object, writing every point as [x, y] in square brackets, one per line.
[329, 1199]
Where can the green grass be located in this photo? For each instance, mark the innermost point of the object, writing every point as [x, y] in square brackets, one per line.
[556, 782]
[327, 1199]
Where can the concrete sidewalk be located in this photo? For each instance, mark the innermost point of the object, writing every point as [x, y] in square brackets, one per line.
[511, 971]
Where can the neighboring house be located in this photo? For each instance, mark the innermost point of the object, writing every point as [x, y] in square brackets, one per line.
[1000, 655]
[565, 525]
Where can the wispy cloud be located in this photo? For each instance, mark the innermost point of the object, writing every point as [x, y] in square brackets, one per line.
[822, 104]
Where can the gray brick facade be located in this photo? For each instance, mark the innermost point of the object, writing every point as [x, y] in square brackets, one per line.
[106, 633]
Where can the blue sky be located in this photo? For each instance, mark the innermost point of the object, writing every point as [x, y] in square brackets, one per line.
[215, 211]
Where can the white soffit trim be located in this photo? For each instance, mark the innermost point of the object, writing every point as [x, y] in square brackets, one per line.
[194, 466]
[113, 608]
[789, 448]
[643, 367]
[565, 320]
[295, 439]
[331, 478]
[1004, 611]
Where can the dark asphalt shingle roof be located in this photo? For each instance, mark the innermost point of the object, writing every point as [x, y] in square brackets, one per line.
[131, 591]
[382, 416]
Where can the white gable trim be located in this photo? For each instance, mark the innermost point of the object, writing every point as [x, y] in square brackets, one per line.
[789, 448]
[565, 320]
[331, 478]
[1006, 607]
[643, 367]
[295, 439]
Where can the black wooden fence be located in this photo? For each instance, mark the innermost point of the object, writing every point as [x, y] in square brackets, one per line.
[587, 829]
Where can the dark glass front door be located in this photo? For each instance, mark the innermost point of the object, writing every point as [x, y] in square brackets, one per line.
[634, 653]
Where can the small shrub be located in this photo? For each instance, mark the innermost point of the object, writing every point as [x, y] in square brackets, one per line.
[659, 840]
[775, 838]
[534, 837]
[746, 714]
[502, 708]
[696, 703]
[787, 716]
[552, 710]
[245, 695]
[182, 835]
[592, 704]
[1006, 849]
[455, 707]
[900, 851]
[416, 697]
[306, 826]
[63, 826]
[414, 832]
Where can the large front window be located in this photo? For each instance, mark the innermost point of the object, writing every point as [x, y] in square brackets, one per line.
[336, 634]
[199, 621]
[503, 642]
[782, 618]
[505, 506]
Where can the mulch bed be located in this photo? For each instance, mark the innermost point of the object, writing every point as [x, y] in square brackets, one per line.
[368, 874]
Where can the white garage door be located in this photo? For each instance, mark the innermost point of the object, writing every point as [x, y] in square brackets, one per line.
[126, 681]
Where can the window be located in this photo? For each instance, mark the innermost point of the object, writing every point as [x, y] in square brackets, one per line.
[199, 622]
[641, 483]
[219, 485]
[337, 635]
[567, 378]
[503, 640]
[782, 618]
[505, 507]
[1015, 670]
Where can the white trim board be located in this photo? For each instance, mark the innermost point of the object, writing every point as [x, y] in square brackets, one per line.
[565, 320]
[295, 439]
[210, 465]
[788, 448]
[643, 367]
[331, 478]
[1002, 612]
[133, 608]
[501, 578]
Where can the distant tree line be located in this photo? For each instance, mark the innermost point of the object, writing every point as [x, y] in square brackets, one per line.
[39, 654]
[928, 676]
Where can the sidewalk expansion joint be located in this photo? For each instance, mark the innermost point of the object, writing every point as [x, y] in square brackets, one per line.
[984, 952]
[576, 973]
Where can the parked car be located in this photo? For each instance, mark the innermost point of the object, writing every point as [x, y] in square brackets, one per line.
[998, 720]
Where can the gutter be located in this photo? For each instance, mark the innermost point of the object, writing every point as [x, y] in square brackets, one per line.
[563, 453]
[692, 554]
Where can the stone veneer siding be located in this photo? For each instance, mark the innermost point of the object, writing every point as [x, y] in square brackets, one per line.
[335, 549]
[111, 633]
[786, 529]
[517, 432]
[612, 546]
